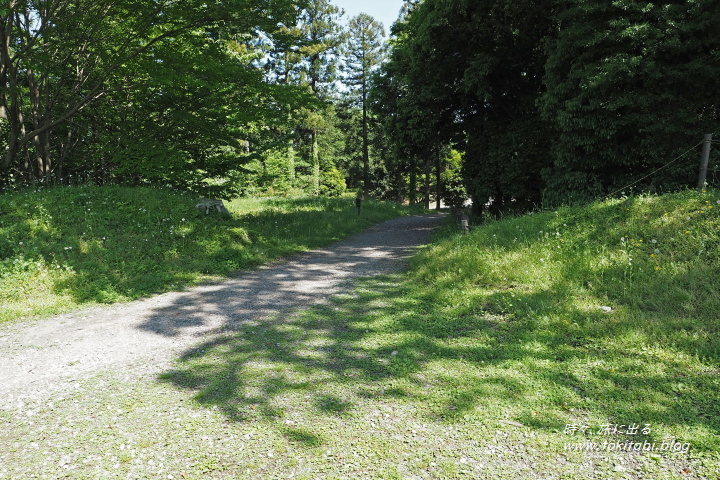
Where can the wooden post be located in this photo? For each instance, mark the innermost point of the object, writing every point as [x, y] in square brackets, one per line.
[707, 141]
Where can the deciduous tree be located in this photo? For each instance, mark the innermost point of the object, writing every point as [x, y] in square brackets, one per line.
[58, 57]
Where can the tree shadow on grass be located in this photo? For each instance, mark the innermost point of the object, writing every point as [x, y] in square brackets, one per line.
[496, 358]
[307, 279]
[121, 243]
[383, 345]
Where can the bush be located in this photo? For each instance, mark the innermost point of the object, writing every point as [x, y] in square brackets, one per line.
[332, 183]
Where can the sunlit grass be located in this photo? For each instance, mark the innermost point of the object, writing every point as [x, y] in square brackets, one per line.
[538, 326]
[65, 247]
[496, 351]
[622, 298]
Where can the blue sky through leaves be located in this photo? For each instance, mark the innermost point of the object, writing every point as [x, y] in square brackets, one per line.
[385, 11]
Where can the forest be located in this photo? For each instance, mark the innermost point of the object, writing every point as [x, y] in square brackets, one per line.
[513, 104]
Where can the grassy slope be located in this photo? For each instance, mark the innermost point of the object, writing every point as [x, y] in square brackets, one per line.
[65, 247]
[521, 299]
[475, 364]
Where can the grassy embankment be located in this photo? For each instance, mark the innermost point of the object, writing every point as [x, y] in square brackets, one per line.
[66, 247]
[489, 359]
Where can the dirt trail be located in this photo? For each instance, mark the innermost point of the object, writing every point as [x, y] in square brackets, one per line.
[42, 356]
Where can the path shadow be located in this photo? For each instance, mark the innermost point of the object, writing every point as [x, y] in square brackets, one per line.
[342, 352]
[307, 279]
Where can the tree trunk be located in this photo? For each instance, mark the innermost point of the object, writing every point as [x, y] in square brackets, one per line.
[10, 104]
[316, 164]
[413, 186]
[366, 148]
[400, 184]
[477, 207]
[438, 189]
[427, 183]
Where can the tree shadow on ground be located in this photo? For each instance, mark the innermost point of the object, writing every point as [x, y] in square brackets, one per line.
[383, 344]
[307, 279]
[547, 366]
[116, 243]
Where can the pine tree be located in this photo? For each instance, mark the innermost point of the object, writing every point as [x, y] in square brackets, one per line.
[325, 36]
[365, 53]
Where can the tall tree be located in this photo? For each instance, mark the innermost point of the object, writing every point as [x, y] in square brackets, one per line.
[556, 100]
[307, 54]
[365, 53]
[325, 36]
[469, 74]
[407, 7]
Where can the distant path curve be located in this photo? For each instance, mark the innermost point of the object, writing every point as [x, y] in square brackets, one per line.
[42, 356]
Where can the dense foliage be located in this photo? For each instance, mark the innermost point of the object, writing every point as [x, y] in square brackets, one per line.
[554, 101]
[545, 101]
[218, 98]
[136, 89]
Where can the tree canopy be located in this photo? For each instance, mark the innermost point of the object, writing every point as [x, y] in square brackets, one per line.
[553, 101]
[517, 103]
[84, 74]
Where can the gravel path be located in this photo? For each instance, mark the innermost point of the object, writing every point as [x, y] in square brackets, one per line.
[42, 356]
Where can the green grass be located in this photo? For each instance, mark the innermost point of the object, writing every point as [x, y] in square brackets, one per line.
[487, 360]
[524, 297]
[502, 330]
[66, 247]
